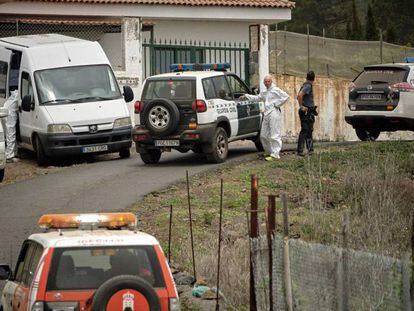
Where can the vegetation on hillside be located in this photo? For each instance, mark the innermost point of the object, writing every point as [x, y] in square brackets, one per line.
[355, 19]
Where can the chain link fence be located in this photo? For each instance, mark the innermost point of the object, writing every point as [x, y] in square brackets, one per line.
[106, 32]
[329, 278]
[294, 53]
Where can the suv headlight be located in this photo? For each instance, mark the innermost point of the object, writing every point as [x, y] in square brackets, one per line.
[59, 128]
[174, 304]
[122, 122]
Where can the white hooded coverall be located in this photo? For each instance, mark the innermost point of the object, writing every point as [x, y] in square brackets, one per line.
[270, 133]
[12, 106]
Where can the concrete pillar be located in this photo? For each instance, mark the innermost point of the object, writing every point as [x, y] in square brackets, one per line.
[263, 53]
[131, 58]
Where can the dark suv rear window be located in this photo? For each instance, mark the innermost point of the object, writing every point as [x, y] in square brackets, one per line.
[381, 76]
[88, 267]
[170, 89]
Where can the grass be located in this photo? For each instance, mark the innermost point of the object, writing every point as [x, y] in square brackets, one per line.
[373, 182]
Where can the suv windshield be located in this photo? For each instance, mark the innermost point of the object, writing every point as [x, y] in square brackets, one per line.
[88, 267]
[380, 76]
[170, 89]
[76, 84]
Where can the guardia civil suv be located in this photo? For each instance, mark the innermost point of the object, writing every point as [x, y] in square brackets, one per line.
[381, 98]
[196, 107]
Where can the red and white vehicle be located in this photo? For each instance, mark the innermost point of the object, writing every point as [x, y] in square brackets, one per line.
[89, 262]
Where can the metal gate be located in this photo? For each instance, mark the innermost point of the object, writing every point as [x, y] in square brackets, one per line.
[157, 56]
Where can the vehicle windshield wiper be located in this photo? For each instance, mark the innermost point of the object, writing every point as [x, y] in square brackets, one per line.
[379, 82]
[92, 97]
[57, 100]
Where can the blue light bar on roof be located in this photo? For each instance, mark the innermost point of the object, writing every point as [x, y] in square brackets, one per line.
[409, 59]
[199, 67]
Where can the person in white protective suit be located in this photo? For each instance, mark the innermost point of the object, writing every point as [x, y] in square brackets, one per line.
[270, 133]
[11, 121]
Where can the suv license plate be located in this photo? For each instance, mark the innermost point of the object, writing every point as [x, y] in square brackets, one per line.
[371, 96]
[95, 148]
[167, 143]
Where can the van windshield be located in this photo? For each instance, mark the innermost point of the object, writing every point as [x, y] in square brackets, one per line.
[83, 268]
[76, 84]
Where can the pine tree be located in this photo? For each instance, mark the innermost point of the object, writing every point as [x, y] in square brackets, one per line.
[356, 24]
[371, 32]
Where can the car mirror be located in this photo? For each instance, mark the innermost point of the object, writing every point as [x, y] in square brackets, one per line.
[255, 90]
[128, 93]
[5, 272]
[4, 112]
[27, 103]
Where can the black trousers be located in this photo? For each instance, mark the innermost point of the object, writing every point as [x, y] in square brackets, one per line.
[305, 135]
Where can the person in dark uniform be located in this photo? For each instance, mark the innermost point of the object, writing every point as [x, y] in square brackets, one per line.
[307, 113]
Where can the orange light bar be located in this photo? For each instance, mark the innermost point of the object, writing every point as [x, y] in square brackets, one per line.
[100, 220]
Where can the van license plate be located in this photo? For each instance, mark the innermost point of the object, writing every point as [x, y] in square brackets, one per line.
[95, 148]
[167, 143]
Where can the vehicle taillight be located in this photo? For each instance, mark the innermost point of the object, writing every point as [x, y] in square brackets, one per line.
[199, 106]
[138, 106]
[402, 87]
[351, 87]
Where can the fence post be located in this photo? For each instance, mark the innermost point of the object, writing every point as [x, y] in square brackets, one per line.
[381, 45]
[276, 54]
[345, 277]
[286, 259]
[271, 227]
[284, 51]
[254, 232]
[308, 33]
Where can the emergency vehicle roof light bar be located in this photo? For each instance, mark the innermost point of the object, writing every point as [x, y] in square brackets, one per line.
[99, 220]
[200, 67]
[409, 59]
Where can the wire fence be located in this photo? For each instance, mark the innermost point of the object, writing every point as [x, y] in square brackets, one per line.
[328, 278]
[296, 54]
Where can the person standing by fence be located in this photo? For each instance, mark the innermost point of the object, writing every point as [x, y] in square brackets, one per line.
[270, 133]
[307, 113]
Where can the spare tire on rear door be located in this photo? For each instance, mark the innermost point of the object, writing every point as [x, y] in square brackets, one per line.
[116, 284]
[161, 116]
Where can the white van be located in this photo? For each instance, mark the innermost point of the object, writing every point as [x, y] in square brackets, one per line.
[69, 100]
[3, 114]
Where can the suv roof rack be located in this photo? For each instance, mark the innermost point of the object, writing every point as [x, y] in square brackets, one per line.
[200, 67]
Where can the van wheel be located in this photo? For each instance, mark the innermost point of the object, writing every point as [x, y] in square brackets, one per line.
[367, 135]
[220, 147]
[1, 179]
[116, 284]
[124, 153]
[151, 156]
[42, 159]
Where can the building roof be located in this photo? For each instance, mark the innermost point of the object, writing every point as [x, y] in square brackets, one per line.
[226, 3]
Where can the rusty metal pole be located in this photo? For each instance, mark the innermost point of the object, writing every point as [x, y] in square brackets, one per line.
[345, 230]
[191, 226]
[169, 234]
[271, 226]
[219, 247]
[254, 232]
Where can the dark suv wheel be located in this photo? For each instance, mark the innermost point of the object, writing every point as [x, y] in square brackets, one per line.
[161, 116]
[220, 147]
[367, 135]
[151, 156]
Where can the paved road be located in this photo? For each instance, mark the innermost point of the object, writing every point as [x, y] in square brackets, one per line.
[100, 186]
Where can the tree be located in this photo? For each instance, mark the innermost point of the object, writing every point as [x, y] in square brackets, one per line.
[348, 31]
[371, 32]
[356, 24]
[391, 37]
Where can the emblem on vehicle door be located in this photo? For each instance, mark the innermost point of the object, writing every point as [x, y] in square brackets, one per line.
[128, 301]
[93, 129]
[369, 87]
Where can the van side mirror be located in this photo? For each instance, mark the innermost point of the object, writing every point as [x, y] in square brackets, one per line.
[255, 90]
[27, 103]
[128, 93]
[5, 272]
[4, 112]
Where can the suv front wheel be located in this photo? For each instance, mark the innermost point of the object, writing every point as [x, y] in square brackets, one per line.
[220, 147]
[151, 156]
[367, 135]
